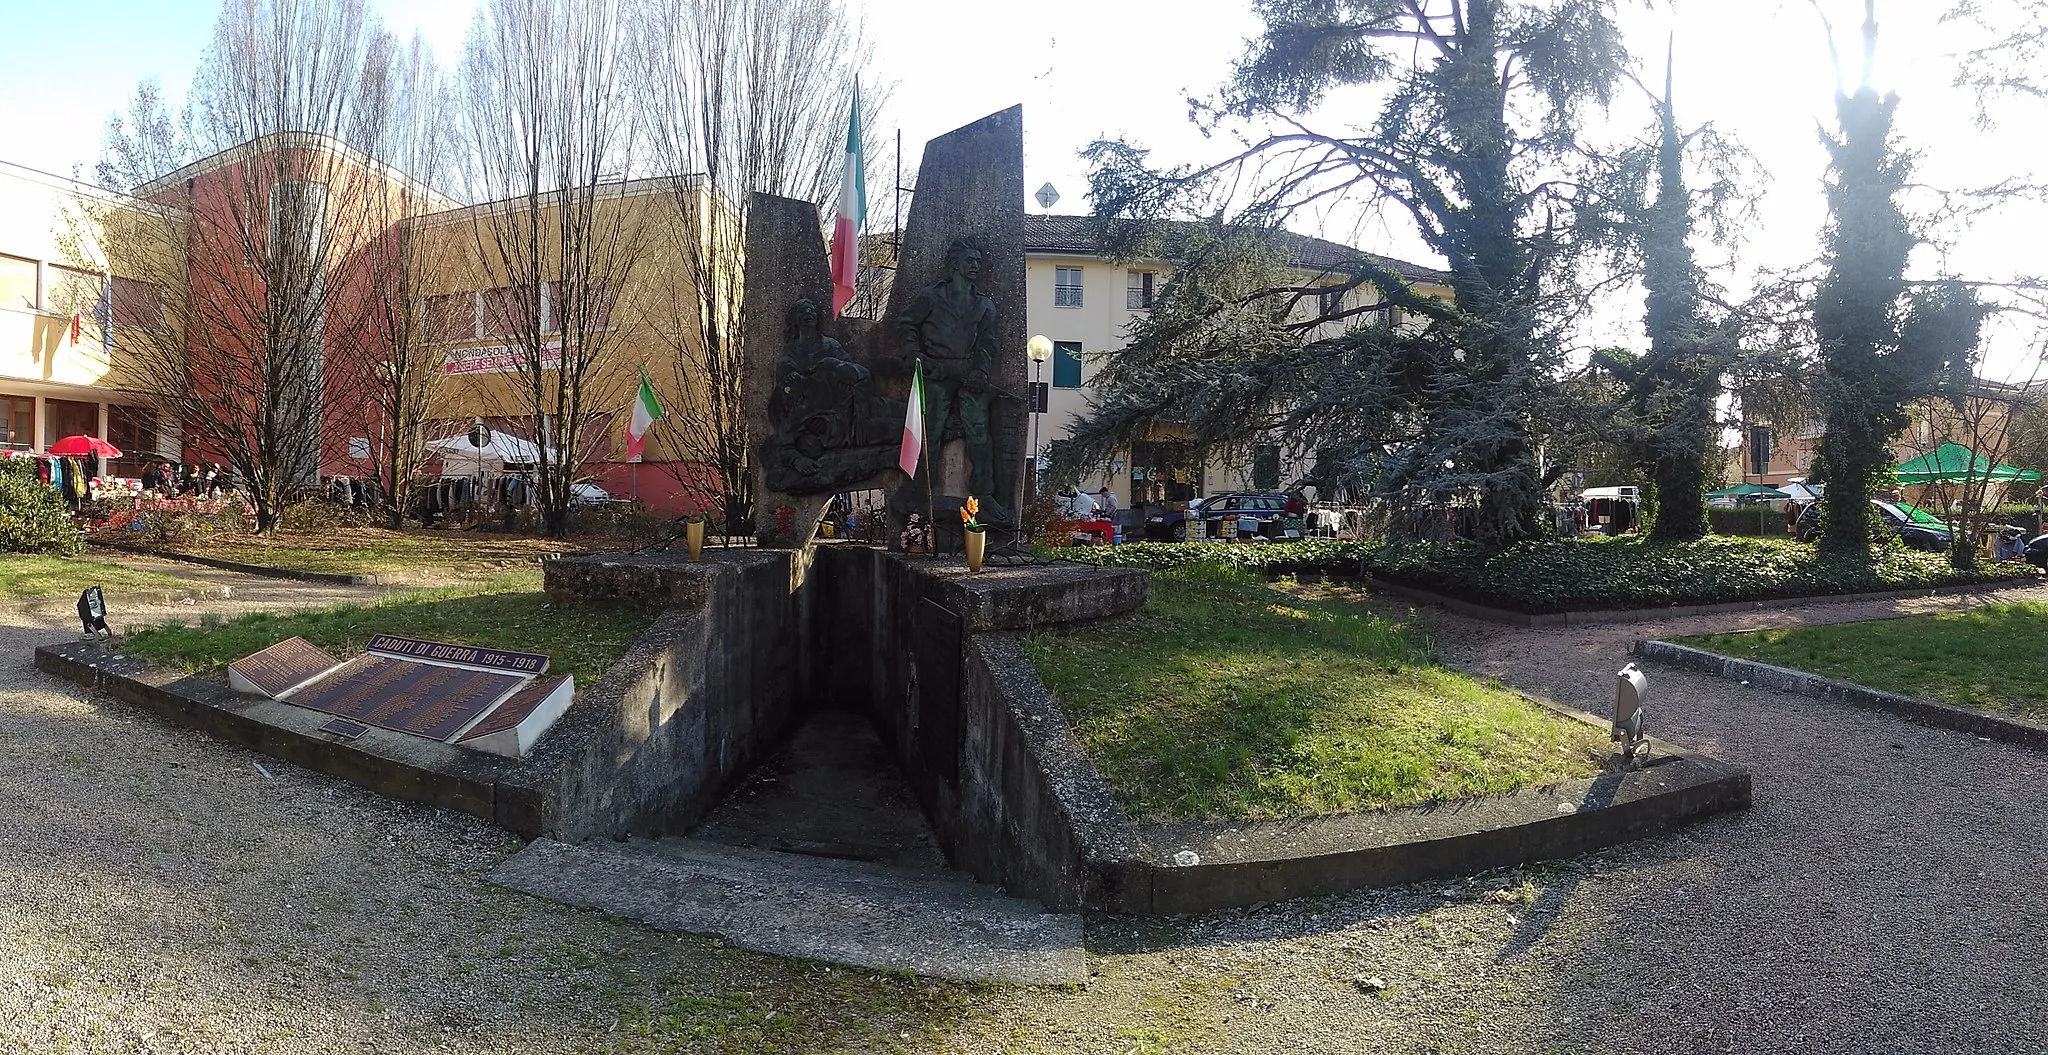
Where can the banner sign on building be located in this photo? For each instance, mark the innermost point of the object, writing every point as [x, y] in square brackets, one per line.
[500, 359]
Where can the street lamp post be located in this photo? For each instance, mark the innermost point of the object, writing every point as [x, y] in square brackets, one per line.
[1039, 348]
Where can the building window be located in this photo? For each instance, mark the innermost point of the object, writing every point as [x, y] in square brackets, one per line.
[1266, 467]
[133, 429]
[73, 292]
[1330, 301]
[1139, 296]
[17, 423]
[1386, 315]
[66, 417]
[1066, 364]
[451, 318]
[18, 284]
[502, 316]
[1759, 450]
[1066, 287]
[137, 305]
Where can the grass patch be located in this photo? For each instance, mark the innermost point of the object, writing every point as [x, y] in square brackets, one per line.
[506, 613]
[1992, 659]
[1585, 574]
[24, 576]
[1227, 698]
[368, 550]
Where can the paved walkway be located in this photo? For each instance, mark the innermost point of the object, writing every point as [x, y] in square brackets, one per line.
[159, 892]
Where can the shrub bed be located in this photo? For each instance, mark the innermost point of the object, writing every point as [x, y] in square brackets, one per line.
[33, 516]
[1584, 574]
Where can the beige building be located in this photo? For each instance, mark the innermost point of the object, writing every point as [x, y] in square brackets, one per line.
[61, 370]
[1086, 303]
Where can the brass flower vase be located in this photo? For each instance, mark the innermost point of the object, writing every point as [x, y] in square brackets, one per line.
[693, 533]
[977, 544]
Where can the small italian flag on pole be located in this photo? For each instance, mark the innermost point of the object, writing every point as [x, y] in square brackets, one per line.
[913, 424]
[646, 411]
[853, 207]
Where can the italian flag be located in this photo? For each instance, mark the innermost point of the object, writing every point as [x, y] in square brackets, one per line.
[913, 423]
[646, 411]
[853, 207]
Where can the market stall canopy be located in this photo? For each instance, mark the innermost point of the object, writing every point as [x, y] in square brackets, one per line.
[1953, 463]
[83, 447]
[459, 457]
[1748, 491]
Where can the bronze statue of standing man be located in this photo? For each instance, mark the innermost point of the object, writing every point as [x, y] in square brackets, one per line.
[951, 325]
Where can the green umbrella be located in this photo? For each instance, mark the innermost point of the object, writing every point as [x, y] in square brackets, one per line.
[1746, 490]
[1953, 463]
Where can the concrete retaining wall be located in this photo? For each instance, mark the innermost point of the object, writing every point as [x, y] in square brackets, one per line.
[921, 645]
[708, 691]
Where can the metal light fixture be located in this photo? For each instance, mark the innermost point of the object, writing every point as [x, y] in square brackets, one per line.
[92, 611]
[1039, 348]
[1631, 699]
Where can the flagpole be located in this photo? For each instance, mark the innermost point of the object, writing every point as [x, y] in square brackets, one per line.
[931, 523]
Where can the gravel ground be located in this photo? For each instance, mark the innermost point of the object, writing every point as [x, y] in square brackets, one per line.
[159, 893]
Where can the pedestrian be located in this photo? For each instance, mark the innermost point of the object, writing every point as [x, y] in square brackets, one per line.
[1105, 502]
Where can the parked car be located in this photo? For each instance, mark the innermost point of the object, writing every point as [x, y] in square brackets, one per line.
[1914, 526]
[586, 495]
[1267, 510]
[1171, 525]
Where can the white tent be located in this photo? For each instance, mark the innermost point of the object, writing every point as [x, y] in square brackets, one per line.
[1802, 493]
[461, 458]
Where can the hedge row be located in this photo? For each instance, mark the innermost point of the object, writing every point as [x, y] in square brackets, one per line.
[1587, 574]
[1747, 520]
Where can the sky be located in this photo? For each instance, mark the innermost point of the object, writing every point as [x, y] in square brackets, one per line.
[1758, 70]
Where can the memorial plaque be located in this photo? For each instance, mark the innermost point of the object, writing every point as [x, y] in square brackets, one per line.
[279, 668]
[468, 655]
[423, 699]
[518, 722]
[345, 729]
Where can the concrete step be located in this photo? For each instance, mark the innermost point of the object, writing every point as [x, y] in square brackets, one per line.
[941, 925]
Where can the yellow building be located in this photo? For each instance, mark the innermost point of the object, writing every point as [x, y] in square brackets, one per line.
[650, 317]
[1086, 304]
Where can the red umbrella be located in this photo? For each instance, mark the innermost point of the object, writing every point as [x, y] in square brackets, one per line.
[83, 447]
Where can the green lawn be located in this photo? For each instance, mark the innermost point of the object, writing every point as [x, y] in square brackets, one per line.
[1228, 698]
[1992, 659]
[25, 576]
[506, 613]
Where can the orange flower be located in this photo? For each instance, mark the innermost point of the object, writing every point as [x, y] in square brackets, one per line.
[973, 506]
[966, 516]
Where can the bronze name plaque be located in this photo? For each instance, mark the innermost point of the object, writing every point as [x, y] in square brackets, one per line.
[277, 668]
[418, 698]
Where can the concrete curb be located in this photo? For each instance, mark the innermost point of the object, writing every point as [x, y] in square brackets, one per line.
[1534, 621]
[196, 594]
[1926, 712]
[296, 574]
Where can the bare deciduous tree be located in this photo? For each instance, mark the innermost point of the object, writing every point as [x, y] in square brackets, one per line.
[751, 95]
[548, 136]
[248, 253]
[402, 121]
